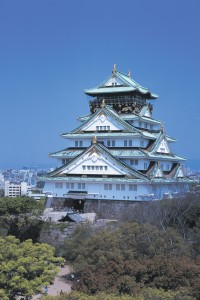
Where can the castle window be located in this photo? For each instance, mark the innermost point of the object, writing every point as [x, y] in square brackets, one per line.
[113, 143]
[125, 143]
[107, 186]
[130, 143]
[81, 186]
[133, 162]
[141, 143]
[102, 128]
[108, 143]
[70, 185]
[132, 187]
[145, 166]
[120, 187]
[151, 127]
[58, 185]
[78, 143]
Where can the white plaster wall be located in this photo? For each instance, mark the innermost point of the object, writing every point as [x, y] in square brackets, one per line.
[136, 123]
[102, 121]
[145, 192]
[86, 142]
[119, 142]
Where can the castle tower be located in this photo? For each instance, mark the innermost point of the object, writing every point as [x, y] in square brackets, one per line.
[119, 152]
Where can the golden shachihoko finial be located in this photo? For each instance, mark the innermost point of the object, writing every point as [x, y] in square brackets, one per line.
[103, 103]
[94, 139]
[114, 68]
[162, 128]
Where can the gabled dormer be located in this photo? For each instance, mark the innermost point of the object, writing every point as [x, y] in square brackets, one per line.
[163, 147]
[96, 160]
[160, 145]
[105, 119]
[145, 112]
[156, 171]
[114, 81]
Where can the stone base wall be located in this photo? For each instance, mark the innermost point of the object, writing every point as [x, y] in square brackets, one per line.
[110, 209]
[54, 234]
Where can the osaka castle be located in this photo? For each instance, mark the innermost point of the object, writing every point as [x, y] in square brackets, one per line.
[119, 152]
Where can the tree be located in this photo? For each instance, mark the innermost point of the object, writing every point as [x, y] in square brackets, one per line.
[25, 267]
[130, 258]
[147, 294]
[20, 217]
[20, 205]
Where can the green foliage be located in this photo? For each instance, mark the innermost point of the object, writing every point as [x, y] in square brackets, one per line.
[25, 267]
[20, 217]
[70, 250]
[147, 294]
[21, 205]
[130, 258]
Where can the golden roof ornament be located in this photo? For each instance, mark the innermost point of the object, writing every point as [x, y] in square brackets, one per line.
[103, 104]
[129, 73]
[162, 128]
[94, 139]
[114, 69]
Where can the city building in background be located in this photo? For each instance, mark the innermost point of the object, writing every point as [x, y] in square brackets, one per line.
[15, 189]
[23, 182]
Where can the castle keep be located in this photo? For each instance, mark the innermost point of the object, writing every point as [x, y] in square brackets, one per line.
[119, 152]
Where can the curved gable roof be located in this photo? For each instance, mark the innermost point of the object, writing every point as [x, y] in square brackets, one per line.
[118, 82]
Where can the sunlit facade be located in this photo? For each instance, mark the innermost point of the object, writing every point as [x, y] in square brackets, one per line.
[119, 152]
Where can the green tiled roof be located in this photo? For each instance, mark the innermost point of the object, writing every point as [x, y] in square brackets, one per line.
[115, 179]
[95, 179]
[150, 120]
[165, 156]
[127, 153]
[127, 85]
[99, 134]
[90, 135]
[66, 153]
[120, 153]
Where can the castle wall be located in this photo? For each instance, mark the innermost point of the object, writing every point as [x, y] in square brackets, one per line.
[109, 209]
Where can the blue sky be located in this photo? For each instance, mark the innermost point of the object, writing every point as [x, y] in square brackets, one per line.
[51, 50]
